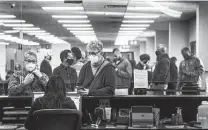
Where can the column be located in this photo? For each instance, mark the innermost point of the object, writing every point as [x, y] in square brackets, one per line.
[150, 48]
[3, 61]
[162, 37]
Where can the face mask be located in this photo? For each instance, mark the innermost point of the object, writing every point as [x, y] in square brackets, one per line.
[30, 67]
[158, 53]
[49, 58]
[70, 61]
[94, 59]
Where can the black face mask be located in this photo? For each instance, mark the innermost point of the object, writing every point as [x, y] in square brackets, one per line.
[145, 62]
[70, 61]
[50, 58]
[158, 53]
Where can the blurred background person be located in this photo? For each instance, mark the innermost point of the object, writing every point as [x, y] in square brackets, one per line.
[77, 65]
[30, 80]
[143, 63]
[68, 74]
[97, 75]
[161, 74]
[54, 98]
[45, 66]
[173, 76]
[123, 70]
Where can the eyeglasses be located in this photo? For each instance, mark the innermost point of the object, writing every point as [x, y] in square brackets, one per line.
[93, 53]
[31, 61]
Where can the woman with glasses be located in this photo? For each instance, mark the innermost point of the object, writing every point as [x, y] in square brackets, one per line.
[97, 76]
[30, 80]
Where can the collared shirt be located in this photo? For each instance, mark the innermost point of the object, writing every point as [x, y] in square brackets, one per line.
[68, 74]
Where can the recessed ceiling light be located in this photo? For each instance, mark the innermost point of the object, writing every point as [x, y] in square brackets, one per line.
[135, 25]
[18, 25]
[77, 25]
[7, 16]
[63, 8]
[132, 28]
[141, 16]
[11, 21]
[4, 43]
[138, 21]
[69, 16]
[129, 31]
[143, 9]
[73, 21]
[11, 31]
[26, 28]
[80, 29]
[35, 31]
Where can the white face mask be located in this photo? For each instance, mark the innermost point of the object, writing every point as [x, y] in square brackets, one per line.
[30, 67]
[94, 59]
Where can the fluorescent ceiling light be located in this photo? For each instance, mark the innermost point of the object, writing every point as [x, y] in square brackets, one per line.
[38, 34]
[80, 29]
[18, 25]
[142, 16]
[143, 9]
[49, 0]
[77, 25]
[135, 25]
[11, 21]
[130, 31]
[69, 16]
[73, 21]
[138, 21]
[132, 28]
[35, 31]
[11, 31]
[26, 28]
[1, 33]
[7, 16]
[63, 8]
[4, 43]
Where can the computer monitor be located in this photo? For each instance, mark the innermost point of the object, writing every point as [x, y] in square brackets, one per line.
[73, 95]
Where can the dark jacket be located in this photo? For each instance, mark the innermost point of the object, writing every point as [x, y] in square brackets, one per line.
[173, 72]
[124, 73]
[68, 74]
[17, 88]
[46, 68]
[30, 123]
[190, 70]
[161, 73]
[102, 84]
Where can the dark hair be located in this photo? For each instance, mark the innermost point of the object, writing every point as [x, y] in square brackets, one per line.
[10, 72]
[144, 57]
[64, 54]
[173, 59]
[55, 93]
[115, 49]
[185, 49]
[77, 52]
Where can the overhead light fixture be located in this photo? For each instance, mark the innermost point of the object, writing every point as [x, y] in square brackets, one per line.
[7, 16]
[69, 16]
[63, 8]
[73, 21]
[135, 25]
[34, 31]
[130, 31]
[79, 29]
[138, 21]
[49, 0]
[132, 28]
[77, 25]
[142, 16]
[146, 9]
[1, 33]
[18, 25]
[11, 31]
[11, 21]
[4, 43]
[26, 28]
[105, 13]
[82, 31]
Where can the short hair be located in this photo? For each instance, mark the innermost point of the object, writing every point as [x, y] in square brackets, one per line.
[77, 52]
[95, 46]
[162, 48]
[64, 54]
[144, 57]
[185, 49]
[173, 59]
[115, 49]
[30, 53]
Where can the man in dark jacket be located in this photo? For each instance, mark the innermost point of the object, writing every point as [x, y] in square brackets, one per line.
[97, 75]
[65, 70]
[123, 70]
[45, 66]
[161, 74]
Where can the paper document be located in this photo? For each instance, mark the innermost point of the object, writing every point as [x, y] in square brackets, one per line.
[140, 79]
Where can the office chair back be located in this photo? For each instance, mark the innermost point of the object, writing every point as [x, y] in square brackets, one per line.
[58, 119]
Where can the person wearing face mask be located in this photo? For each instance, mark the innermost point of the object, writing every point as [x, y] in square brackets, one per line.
[45, 66]
[143, 63]
[68, 74]
[77, 62]
[30, 80]
[190, 70]
[123, 70]
[97, 75]
[161, 74]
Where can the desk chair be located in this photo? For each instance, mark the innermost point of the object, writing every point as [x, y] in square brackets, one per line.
[58, 119]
